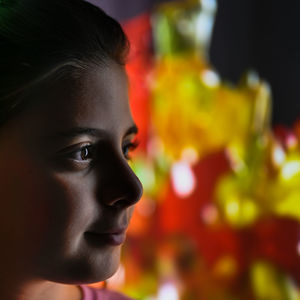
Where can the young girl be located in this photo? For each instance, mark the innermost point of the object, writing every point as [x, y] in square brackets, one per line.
[67, 191]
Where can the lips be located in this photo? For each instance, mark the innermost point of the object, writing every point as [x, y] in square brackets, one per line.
[113, 237]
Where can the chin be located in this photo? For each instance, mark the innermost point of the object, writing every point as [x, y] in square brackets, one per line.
[104, 273]
[86, 270]
[104, 266]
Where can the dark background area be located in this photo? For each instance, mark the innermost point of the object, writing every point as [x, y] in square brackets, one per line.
[263, 35]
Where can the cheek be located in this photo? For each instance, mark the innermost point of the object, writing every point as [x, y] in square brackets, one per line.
[69, 205]
[24, 215]
[41, 209]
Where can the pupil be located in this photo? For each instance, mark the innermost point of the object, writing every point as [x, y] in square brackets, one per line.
[84, 153]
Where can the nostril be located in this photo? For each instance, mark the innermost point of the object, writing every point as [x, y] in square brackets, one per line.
[123, 203]
[124, 195]
[130, 196]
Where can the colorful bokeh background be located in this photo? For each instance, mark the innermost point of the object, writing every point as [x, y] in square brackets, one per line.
[219, 218]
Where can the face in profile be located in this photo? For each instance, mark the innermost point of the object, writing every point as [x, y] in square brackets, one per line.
[67, 190]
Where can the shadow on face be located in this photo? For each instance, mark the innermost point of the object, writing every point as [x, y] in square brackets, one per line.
[67, 189]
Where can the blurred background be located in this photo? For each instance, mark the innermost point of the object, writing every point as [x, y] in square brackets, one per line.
[214, 92]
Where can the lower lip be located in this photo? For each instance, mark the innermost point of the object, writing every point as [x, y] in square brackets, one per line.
[113, 239]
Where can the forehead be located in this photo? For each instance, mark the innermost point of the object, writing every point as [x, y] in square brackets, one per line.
[99, 99]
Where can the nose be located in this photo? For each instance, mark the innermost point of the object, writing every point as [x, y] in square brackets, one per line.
[119, 187]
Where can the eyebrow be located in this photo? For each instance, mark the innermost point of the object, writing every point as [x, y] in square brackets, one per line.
[77, 131]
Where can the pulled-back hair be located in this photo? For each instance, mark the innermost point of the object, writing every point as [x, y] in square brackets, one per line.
[40, 39]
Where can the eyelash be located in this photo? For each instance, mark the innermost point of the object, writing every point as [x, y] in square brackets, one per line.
[86, 152]
[130, 147]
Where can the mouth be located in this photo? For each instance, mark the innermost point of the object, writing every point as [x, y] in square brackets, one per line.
[113, 238]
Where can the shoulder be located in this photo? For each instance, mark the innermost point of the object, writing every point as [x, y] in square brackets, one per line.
[90, 293]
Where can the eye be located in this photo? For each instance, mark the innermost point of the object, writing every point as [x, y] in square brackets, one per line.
[84, 153]
[129, 147]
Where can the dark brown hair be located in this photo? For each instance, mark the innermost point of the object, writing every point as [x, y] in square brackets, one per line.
[51, 38]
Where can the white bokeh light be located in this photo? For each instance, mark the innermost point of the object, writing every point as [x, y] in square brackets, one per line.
[183, 179]
[168, 291]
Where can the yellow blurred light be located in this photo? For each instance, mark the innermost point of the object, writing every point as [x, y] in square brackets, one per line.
[240, 211]
[264, 282]
[262, 108]
[226, 266]
[269, 283]
[289, 205]
[232, 208]
[235, 159]
[290, 169]
[250, 210]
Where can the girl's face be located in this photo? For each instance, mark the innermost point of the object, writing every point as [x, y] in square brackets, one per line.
[67, 189]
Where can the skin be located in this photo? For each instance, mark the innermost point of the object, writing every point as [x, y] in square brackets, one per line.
[59, 181]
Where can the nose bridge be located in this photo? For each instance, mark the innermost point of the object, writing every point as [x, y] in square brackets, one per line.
[121, 187]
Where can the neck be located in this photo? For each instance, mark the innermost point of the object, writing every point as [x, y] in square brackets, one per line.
[38, 290]
[15, 284]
